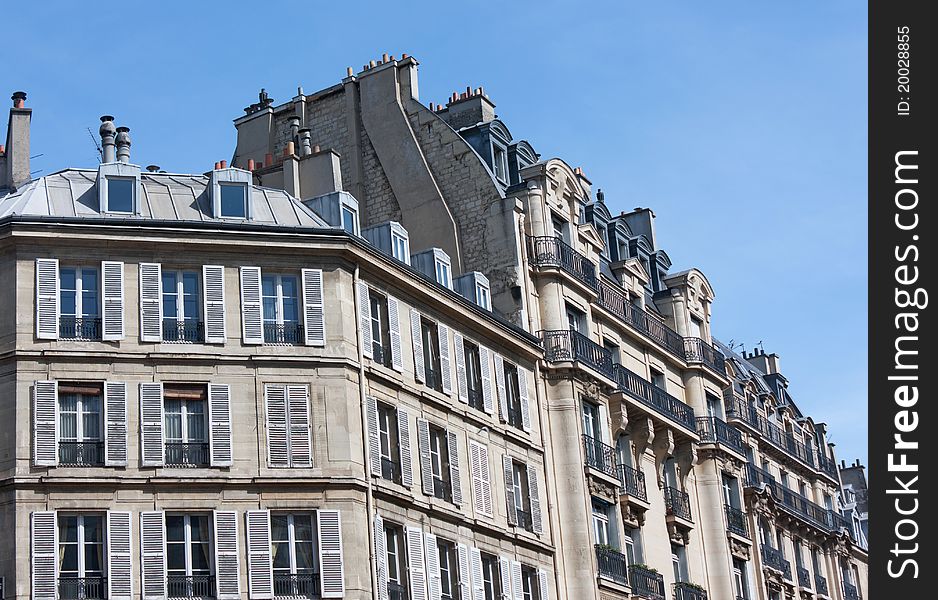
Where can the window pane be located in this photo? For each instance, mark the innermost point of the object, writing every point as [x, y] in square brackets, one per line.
[176, 556]
[120, 195]
[270, 309]
[281, 555]
[303, 527]
[68, 556]
[278, 528]
[68, 529]
[199, 529]
[304, 556]
[348, 220]
[175, 528]
[93, 557]
[233, 200]
[200, 557]
[94, 529]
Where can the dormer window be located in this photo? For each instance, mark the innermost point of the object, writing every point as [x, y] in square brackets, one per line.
[117, 188]
[442, 272]
[400, 248]
[234, 200]
[231, 193]
[482, 296]
[349, 219]
[120, 195]
[500, 162]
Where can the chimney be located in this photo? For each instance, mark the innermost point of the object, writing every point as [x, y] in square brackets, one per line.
[295, 127]
[468, 109]
[767, 363]
[107, 131]
[123, 144]
[153, 168]
[16, 158]
[306, 142]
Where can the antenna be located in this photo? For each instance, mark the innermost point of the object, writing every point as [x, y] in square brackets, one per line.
[759, 343]
[97, 146]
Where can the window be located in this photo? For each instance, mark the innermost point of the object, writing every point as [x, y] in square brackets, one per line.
[184, 426]
[400, 248]
[280, 296]
[679, 562]
[591, 421]
[482, 296]
[349, 219]
[474, 375]
[500, 162]
[380, 329]
[513, 396]
[799, 559]
[612, 348]
[521, 495]
[293, 541]
[80, 418]
[696, 327]
[741, 579]
[79, 305]
[397, 563]
[714, 407]
[120, 194]
[189, 558]
[182, 306]
[449, 569]
[442, 273]
[559, 227]
[633, 546]
[234, 200]
[603, 531]
[431, 354]
[658, 380]
[81, 557]
[730, 491]
[576, 319]
[439, 464]
[670, 472]
[491, 579]
[529, 587]
[388, 438]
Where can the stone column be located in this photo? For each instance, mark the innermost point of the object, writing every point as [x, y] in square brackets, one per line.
[714, 547]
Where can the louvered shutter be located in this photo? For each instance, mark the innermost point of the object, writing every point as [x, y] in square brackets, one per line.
[462, 384]
[446, 370]
[374, 439]
[227, 579]
[517, 591]
[453, 448]
[252, 321]
[403, 443]
[478, 583]
[115, 424]
[151, 302]
[300, 439]
[47, 298]
[486, 369]
[604, 423]
[260, 560]
[219, 416]
[43, 533]
[523, 398]
[364, 319]
[112, 314]
[434, 586]
[500, 386]
[465, 580]
[332, 570]
[381, 559]
[275, 399]
[416, 336]
[423, 446]
[542, 584]
[535, 500]
[415, 563]
[481, 486]
[213, 289]
[119, 563]
[507, 469]
[153, 555]
[151, 424]
[45, 423]
[394, 330]
[313, 317]
[504, 571]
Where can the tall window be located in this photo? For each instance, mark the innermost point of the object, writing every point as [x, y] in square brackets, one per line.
[696, 327]
[576, 319]
[512, 390]
[714, 407]
[449, 569]
[679, 562]
[633, 546]
[741, 579]
[491, 579]
[388, 438]
[559, 228]
[80, 440]
[591, 424]
[81, 557]
[431, 354]
[730, 491]
[529, 587]
[658, 379]
[397, 563]
[293, 541]
[281, 309]
[439, 464]
[189, 556]
[473, 375]
[500, 162]
[613, 349]
[185, 426]
[349, 219]
[603, 531]
[380, 329]
[400, 248]
[442, 273]
[521, 491]
[181, 306]
[482, 296]
[79, 303]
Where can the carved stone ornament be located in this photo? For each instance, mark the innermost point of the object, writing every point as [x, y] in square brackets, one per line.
[678, 535]
[643, 434]
[632, 516]
[663, 447]
[740, 550]
[601, 489]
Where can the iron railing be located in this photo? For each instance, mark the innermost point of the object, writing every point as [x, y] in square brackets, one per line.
[632, 482]
[549, 251]
[190, 586]
[612, 564]
[698, 351]
[851, 592]
[81, 454]
[804, 577]
[688, 591]
[774, 559]
[82, 588]
[442, 489]
[736, 521]
[525, 520]
[600, 456]
[738, 409]
[183, 331]
[714, 429]
[614, 299]
[646, 583]
[476, 398]
[290, 333]
[796, 504]
[396, 591]
[80, 328]
[677, 503]
[187, 454]
[569, 345]
[820, 585]
[654, 397]
[390, 470]
[826, 465]
[299, 585]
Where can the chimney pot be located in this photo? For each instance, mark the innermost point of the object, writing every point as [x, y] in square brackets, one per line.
[2, 149]
[316, 149]
[107, 132]
[290, 150]
[217, 165]
[384, 57]
[224, 164]
[392, 58]
[153, 168]
[268, 159]
[349, 72]
[403, 56]
[372, 64]
[123, 144]
[305, 142]
[251, 165]
[19, 99]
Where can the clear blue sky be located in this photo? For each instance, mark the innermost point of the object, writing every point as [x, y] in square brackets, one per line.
[742, 124]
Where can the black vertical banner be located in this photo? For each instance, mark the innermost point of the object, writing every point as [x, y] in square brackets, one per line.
[903, 166]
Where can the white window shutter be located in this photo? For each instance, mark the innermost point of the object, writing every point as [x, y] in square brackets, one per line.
[213, 291]
[462, 384]
[415, 563]
[510, 509]
[446, 370]
[403, 442]
[423, 446]
[314, 325]
[47, 298]
[153, 555]
[517, 591]
[332, 569]
[394, 330]
[151, 302]
[45, 423]
[119, 563]
[364, 319]
[478, 583]
[151, 424]
[465, 580]
[219, 416]
[374, 439]
[112, 313]
[381, 559]
[500, 386]
[44, 547]
[301, 450]
[434, 585]
[275, 400]
[523, 398]
[227, 578]
[115, 424]
[604, 423]
[543, 586]
[252, 320]
[504, 570]
[486, 369]
[481, 485]
[452, 443]
[535, 500]
[260, 559]
[416, 336]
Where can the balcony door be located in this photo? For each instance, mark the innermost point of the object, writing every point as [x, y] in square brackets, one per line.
[81, 557]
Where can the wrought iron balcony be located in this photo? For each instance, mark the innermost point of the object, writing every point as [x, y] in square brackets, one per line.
[804, 577]
[525, 520]
[646, 583]
[183, 331]
[716, 430]
[396, 591]
[82, 588]
[802, 507]
[851, 592]
[290, 333]
[190, 586]
[632, 482]
[80, 328]
[390, 470]
[187, 454]
[549, 251]
[612, 564]
[654, 397]
[614, 299]
[81, 454]
[688, 591]
[826, 466]
[442, 489]
[736, 521]
[698, 351]
[600, 456]
[568, 345]
[820, 585]
[476, 397]
[784, 441]
[773, 559]
[302, 585]
[677, 503]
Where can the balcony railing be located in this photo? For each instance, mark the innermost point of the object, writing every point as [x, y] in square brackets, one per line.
[688, 591]
[646, 583]
[600, 456]
[476, 397]
[614, 299]
[632, 482]
[738, 409]
[804, 577]
[826, 466]
[82, 588]
[654, 397]
[190, 586]
[80, 328]
[183, 331]
[396, 591]
[773, 559]
[525, 520]
[851, 592]
[283, 333]
[187, 454]
[795, 503]
[569, 345]
[548, 251]
[736, 521]
[303, 585]
[698, 351]
[390, 470]
[715, 430]
[612, 564]
[442, 489]
[677, 503]
[81, 454]
[820, 585]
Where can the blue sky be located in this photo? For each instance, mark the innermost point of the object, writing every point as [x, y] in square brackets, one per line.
[742, 124]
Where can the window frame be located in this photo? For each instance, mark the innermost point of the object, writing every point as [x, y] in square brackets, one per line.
[491, 576]
[473, 358]
[80, 291]
[388, 430]
[80, 414]
[291, 542]
[430, 336]
[233, 185]
[133, 194]
[81, 544]
[500, 162]
[380, 326]
[187, 544]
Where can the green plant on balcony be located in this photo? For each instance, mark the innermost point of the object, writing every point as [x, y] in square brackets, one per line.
[644, 567]
[693, 586]
[606, 548]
